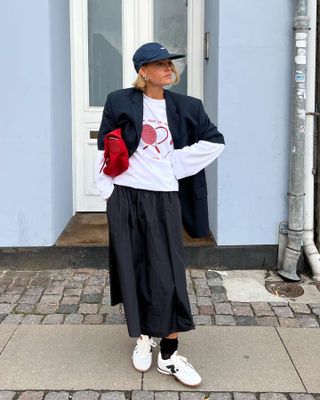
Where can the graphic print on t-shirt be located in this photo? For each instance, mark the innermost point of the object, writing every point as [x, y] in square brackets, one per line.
[155, 137]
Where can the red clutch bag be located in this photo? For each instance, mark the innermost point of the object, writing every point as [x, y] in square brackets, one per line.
[116, 157]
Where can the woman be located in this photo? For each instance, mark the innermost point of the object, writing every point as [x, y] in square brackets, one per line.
[170, 140]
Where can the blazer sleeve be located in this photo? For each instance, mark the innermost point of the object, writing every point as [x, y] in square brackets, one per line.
[107, 123]
[206, 129]
[209, 145]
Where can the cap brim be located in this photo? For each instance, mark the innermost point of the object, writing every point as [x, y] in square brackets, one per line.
[168, 57]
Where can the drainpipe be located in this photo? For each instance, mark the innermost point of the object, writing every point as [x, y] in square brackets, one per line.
[310, 250]
[296, 185]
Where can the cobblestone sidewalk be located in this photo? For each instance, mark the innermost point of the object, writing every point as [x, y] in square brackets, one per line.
[150, 395]
[82, 296]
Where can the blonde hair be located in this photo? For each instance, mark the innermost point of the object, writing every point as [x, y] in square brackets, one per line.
[141, 84]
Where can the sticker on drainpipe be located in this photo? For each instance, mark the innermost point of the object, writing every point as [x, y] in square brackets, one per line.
[300, 77]
[300, 59]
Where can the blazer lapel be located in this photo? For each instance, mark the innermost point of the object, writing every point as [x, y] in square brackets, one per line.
[173, 117]
[137, 111]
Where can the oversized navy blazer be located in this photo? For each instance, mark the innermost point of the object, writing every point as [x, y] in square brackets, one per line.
[188, 123]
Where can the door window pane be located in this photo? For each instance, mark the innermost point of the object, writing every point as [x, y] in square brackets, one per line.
[105, 49]
[170, 29]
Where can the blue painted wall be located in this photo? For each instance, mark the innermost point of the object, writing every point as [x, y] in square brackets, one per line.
[35, 123]
[254, 89]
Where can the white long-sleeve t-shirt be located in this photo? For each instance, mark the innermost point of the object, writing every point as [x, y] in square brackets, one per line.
[156, 165]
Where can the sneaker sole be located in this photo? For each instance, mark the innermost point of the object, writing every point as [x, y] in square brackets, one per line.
[176, 378]
[141, 370]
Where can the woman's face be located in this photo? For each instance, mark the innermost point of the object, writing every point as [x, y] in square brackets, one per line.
[158, 72]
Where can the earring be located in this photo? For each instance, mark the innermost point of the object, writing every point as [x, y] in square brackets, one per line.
[145, 78]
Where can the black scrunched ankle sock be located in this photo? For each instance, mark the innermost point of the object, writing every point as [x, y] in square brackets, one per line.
[168, 347]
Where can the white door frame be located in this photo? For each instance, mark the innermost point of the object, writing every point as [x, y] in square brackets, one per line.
[86, 118]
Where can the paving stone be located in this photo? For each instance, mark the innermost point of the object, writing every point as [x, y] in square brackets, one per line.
[57, 396]
[267, 321]
[283, 312]
[289, 322]
[192, 298]
[7, 395]
[204, 301]
[29, 299]
[53, 319]
[68, 308]
[2, 317]
[46, 308]
[114, 395]
[220, 396]
[203, 292]
[197, 273]
[213, 275]
[24, 308]
[260, 305]
[243, 311]
[6, 308]
[86, 395]
[70, 300]
[240, 303]
[224, 320]
[87, 308]
[223, 308]
[72, 292]
[300, 308]
[93, 319]
[115, 319]
[301, 396]
[201, 283]
[50, 298]
[191, 396]
[194, 309]
[166, 396]
[32, 319]
[218, 289]
[246, 321]
[264, 313]
[142, 395]
[215, 282]
[13, 319]
[9, 298]
[74, 319]
[202, 320]
[316, 311]
[219, 297]
[272, 396]
[91, 298]
[314, 305]
[244, 396]
[278, 303]
[54, 289]
[34, 290]
[307, 321]
[92, 290]
[206, 310]
[31, 395]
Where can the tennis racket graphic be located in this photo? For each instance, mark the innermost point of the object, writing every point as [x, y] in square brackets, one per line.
[149, 136]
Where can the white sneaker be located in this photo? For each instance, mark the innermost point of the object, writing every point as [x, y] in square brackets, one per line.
[142, 353]
[179, 368]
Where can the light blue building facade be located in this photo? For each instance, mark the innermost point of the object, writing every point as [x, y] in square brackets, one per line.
[246, 92]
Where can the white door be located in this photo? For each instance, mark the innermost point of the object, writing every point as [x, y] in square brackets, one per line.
[104, 36]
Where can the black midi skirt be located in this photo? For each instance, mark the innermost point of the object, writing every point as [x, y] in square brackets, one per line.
[147, 261]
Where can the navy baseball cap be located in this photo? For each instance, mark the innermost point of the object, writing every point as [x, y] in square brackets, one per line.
[153, 51]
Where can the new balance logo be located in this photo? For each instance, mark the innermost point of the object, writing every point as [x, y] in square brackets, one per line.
[171, 368]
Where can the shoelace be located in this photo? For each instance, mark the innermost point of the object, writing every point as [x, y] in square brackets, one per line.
[182, 362]
[143, 346]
